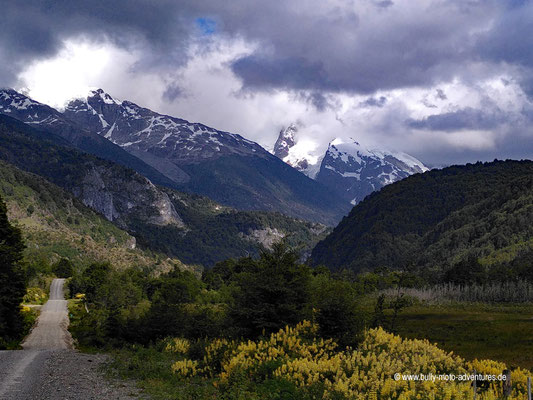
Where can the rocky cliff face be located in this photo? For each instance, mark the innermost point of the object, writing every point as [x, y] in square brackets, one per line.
[118, 193]
[181, 155]
[221, 165]
[120, 200]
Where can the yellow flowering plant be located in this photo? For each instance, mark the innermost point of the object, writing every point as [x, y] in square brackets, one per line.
[382, 367]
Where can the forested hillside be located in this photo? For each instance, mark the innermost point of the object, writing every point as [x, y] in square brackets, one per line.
[57, 225]
[477, 215]
[189, 227]
[215, 233]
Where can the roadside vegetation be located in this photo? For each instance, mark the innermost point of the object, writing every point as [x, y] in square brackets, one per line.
[12, 282]
[272, 328]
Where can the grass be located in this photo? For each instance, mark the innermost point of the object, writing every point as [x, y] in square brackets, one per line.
[151, 368]
[498, 332]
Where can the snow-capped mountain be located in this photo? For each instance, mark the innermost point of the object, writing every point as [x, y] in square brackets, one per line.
[44, 117]
[286, 141]
[139, 129]
[296, 152]
[356, 171]
[182, 155]
[23, 108]
[349, 168]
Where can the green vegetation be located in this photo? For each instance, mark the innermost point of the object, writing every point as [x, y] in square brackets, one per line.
[59, 229]
[228, 335]
[12, 282]
[456, 219]
[474, 330]
[215, 233]
[212, 232]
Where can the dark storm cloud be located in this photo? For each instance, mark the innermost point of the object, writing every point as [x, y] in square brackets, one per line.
[348, 53]
[510, 41]
[318, 100]
[467, 118]
[441, 95]
[293, 73]
[302, 45]
[172, 92]
[33, 29]
[384, 3]
[312, 49]
[374, 102]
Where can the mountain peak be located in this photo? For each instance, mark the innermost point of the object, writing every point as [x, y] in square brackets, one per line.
[355, 170]
[297, 153]
[286, 140]
[100, 94]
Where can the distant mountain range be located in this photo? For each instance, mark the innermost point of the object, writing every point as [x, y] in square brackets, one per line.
[348, 168]
[192, 228]
[178, 154]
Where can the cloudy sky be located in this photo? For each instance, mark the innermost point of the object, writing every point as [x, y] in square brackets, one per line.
[448, 81]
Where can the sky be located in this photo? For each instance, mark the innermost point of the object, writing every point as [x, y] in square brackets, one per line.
[448, 81]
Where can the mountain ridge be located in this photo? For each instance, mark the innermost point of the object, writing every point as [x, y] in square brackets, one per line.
[434, 220]
[186, 156]
[190, 227]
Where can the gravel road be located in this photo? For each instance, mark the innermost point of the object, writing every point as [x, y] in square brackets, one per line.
[48, 367]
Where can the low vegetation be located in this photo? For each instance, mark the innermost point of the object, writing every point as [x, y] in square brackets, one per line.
[55, 226]
[272, 328]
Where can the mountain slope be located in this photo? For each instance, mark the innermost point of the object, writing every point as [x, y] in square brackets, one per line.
[355, 171]
[215, 233]
[185, 226]
[436, 219]
[57, 225]
[224, 166]
[43, 117]
[118, 193]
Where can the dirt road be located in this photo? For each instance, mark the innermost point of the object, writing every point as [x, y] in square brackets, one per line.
[51, 332]
[48, 368]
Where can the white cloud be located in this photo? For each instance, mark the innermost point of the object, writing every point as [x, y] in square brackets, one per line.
[208, 92]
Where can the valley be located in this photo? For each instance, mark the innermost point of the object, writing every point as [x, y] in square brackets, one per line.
[191, 272]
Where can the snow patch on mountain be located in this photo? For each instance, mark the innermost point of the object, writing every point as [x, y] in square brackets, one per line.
[355, 171]
[350, 168]
[297, 151]
[141, 130]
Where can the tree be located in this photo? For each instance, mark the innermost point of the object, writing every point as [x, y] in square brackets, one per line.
[63, 268]
[272, 292]
[466, 272]
[12, 281]
[337, 310]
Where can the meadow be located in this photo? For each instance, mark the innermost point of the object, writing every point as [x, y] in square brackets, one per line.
[502, 332]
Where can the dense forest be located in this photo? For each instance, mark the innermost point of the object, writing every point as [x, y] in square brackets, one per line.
[215, 233]
[473, 219]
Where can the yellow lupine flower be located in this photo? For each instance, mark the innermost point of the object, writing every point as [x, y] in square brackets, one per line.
[365, 373]
[178, 345]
